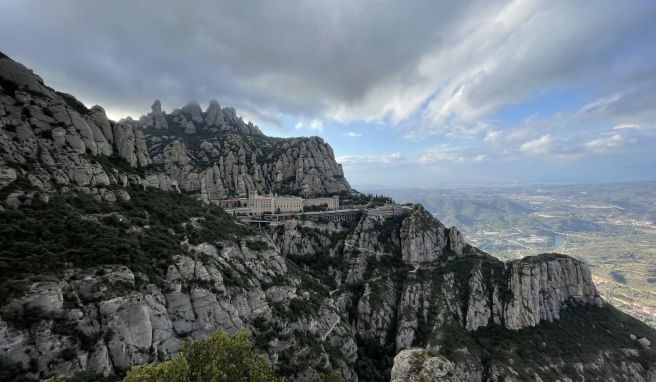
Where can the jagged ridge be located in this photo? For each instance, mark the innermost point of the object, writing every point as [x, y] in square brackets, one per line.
[52, 141]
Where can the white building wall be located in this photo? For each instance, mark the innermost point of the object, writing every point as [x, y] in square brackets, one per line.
[273, 204]
[288, 204]
[332, 203]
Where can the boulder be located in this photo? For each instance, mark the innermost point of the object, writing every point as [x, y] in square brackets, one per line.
[125, 141]
[417, 365]
[214, 114]
[645, 343]
[194, 112]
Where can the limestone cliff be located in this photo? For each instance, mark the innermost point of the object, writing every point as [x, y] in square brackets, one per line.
[218, 165]
[215, 154]
[408, 282]
[540, 287]
[51, 140]
[103, 320]
[323, 297]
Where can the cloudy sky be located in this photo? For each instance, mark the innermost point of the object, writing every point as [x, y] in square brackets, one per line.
[409, 93]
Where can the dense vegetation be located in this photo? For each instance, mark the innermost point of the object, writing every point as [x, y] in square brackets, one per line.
[219, 358]
[346, 199]
[42, 239]
[114, 162]
[324, 263]
[14, 372]
[581, 333]
[321, 207]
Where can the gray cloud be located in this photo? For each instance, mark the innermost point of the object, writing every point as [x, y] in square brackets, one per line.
[451, 63]
[291, 56]
[384, 159]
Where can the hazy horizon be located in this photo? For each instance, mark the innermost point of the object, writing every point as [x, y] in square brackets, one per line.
[491, 184]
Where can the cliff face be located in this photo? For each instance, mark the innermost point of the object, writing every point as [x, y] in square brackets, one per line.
[413, 288]
[394, 294]
[105, 319]
[214, 153]
[515, 295]
[218, 166]
[540, 287]
[323, 297]
[51, 140]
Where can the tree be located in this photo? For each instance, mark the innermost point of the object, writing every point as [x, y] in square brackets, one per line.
[175, 370]
[219, 358]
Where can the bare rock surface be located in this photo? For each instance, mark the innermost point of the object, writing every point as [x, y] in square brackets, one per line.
[212, 153]
[416, 365]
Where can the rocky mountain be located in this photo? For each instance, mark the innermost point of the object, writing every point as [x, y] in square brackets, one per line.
[107, 262]
[52, 140]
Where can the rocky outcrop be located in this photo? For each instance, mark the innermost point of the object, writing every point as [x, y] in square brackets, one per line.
[213, 154]
[97, 117]
[418, 365]
[294, 240]
[104, 320]
[156, 119]
[216, 155]
[125, 143]
[424, 239]
[479, 307]
[449, 290]
[376, 311]
[49, 141]
[350, 289]
[533, 290]
[229, 165]
[425, 365]
[541, 287]
[214, 114]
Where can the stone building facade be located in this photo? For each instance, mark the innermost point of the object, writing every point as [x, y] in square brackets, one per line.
[273, 203]
[259, 204]
[331, 202]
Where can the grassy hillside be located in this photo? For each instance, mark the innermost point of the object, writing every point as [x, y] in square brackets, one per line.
[42, 240]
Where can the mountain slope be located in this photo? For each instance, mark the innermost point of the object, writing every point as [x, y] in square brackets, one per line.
[107, 262]
[51, 140]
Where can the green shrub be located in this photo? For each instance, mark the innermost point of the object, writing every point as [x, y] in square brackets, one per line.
[582, 332]
[12, 371]
[109, 163]
[321, 207]
[175, 370]
[256, 245]
[219, 358]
